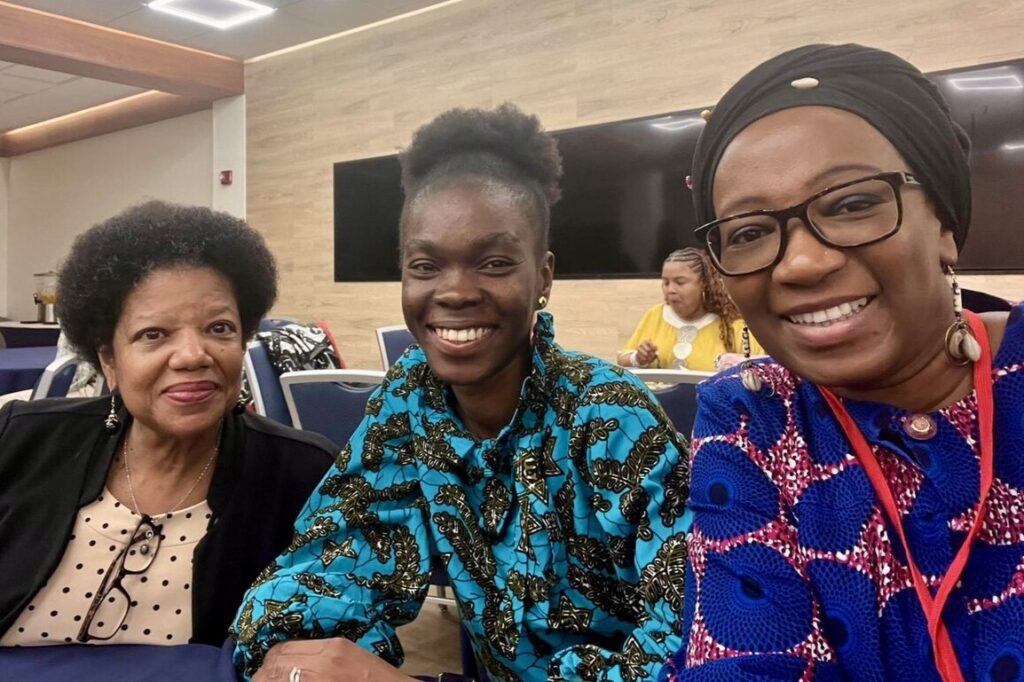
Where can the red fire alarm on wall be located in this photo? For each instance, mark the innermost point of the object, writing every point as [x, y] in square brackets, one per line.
[226, 177]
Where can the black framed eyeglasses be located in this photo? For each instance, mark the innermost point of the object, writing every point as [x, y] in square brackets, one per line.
[855, 213]
[109, 608]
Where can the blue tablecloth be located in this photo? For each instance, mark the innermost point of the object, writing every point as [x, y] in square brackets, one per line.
[20, 368]
[22, 337]
[120, 662]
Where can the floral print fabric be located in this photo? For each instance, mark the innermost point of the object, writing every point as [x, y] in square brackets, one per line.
[562, 537]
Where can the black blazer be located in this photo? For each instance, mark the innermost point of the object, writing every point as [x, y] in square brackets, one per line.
[54, 458]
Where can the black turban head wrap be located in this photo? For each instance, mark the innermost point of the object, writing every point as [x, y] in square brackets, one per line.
[886, 91]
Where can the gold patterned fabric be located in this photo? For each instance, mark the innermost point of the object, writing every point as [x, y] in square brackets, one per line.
[563, 537]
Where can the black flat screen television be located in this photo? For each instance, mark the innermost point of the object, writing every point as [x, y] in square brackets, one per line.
[625, 205]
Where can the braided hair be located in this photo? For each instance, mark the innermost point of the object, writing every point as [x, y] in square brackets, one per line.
[713, 294]
[503, 146]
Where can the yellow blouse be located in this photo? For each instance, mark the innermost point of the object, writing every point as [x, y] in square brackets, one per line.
[670, 333]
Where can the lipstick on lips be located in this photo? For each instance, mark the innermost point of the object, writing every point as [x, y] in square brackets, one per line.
[188, 392]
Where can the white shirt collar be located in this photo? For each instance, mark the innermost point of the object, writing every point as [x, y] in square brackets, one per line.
[673, 319]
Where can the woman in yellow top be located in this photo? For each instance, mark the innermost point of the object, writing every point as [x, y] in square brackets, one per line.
[697, 327]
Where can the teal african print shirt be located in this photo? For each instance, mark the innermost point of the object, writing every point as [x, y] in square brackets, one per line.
[562, 537]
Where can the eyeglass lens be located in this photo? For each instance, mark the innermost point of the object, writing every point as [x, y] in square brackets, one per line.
[847, 216]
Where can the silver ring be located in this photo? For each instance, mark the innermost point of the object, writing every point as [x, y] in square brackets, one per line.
[295, 675]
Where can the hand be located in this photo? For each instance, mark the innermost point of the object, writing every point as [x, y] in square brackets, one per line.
[646, 353]
[727, 360]
[325, 660]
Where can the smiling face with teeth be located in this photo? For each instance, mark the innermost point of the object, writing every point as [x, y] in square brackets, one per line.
[856, 318]
[472, 272]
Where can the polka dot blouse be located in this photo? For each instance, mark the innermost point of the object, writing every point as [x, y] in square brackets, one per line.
[158, 600]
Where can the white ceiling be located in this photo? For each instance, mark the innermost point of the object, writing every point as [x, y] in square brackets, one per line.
[29, 95]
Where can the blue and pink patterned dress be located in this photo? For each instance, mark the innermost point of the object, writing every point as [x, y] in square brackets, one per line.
[794, 571]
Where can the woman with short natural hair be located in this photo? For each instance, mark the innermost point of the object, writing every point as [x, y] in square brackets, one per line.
[141, 517]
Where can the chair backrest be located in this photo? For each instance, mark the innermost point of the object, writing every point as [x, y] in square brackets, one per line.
[265, 384]
[392, 342]
[981, 302]
[270, 323]
[330, 402]
[55, 381]
[676, 390]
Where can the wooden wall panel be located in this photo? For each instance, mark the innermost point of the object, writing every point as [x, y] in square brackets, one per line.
[573, 62]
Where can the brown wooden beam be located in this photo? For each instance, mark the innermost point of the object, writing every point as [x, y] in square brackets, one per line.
[137, 110]
[48, 41]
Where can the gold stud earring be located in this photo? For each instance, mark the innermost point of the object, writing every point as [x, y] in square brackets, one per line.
[542, 302]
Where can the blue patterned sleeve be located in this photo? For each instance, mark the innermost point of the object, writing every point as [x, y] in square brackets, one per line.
[358, 564]
[750, 610]
[636, 466]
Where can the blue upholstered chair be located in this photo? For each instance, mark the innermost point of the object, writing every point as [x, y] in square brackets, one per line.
[330, 402]
[265, 384]
[981, 302]
[676, 390]
[55, 381]
[392, 342]
[270, 323]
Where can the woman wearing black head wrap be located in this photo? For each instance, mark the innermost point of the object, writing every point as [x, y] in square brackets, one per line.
[859, 500]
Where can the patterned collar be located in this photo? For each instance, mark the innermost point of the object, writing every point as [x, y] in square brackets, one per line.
[543, 342]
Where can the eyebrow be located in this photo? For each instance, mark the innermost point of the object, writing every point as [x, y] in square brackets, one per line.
[814, 181]
[488, 240]
[148, 317]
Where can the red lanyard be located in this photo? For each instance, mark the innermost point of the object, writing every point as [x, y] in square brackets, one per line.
[942, 647]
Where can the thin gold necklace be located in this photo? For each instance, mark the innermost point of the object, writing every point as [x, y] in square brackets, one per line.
[128, 475]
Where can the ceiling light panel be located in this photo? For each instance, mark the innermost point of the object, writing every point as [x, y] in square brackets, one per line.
[221, 14]
[1008, 82]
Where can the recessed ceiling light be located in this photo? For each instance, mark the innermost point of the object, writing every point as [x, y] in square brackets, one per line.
[226, 13]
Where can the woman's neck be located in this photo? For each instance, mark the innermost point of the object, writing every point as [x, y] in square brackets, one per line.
[153, 473]
[169, 454]
[933, 384]
[486, 408]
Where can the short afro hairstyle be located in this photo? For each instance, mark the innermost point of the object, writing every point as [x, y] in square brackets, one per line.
[109, 260]
[504, 146]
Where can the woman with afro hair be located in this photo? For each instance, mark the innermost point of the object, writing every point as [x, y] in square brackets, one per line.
[142, 517]
[548, 482]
